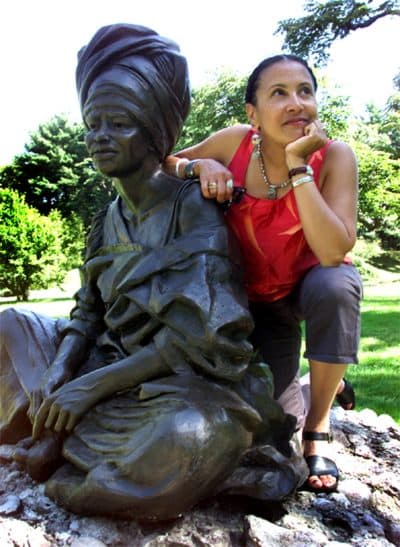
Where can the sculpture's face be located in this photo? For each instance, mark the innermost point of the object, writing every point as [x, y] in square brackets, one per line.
[116, 141]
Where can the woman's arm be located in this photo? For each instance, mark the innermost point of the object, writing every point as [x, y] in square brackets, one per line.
[210, 158]
[328, 216]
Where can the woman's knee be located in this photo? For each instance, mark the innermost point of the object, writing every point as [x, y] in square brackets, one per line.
[336, 286]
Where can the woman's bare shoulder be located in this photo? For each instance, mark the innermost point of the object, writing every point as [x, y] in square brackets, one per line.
[339, 149]
[225, 141]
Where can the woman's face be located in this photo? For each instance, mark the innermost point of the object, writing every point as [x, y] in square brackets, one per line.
[116, 142]
[285, 102]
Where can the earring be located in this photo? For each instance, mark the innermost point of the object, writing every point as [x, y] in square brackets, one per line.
[256, 142]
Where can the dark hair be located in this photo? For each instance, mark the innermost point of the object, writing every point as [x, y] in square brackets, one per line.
[252, 82]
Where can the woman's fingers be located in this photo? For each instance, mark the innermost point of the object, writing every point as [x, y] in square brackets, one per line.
[218, 188]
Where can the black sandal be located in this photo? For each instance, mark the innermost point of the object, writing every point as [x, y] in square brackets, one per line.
[319, 465]
[347, 396]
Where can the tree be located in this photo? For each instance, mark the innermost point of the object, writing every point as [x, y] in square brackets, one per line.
[311, 36]
[55, 172]
[217, 104]
[379, 195]
[334, 109]
[35, 250]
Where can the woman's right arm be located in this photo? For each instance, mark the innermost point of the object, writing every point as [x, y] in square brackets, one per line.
[209, 160]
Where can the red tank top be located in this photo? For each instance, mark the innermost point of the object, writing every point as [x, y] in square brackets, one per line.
[274, 250]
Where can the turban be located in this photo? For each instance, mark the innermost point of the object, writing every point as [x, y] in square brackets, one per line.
[159, 72]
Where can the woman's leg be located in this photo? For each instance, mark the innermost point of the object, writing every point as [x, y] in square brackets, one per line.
[277, 337]
[330, 302]
[324, 381]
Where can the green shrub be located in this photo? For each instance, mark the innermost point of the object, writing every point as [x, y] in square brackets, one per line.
[35, 250]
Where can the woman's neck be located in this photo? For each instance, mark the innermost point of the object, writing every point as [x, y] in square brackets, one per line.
[274, 155]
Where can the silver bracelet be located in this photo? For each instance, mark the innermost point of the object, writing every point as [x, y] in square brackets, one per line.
[302, 180]
[178, 163]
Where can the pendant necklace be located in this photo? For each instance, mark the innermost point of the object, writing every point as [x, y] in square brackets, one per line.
[272, 189]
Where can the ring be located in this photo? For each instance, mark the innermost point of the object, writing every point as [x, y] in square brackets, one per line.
[212, 185]
[229, 184]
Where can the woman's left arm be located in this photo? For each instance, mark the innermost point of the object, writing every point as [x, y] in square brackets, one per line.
[329, 215]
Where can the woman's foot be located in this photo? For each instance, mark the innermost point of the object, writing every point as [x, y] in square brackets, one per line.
[324, 474]
[345, 395]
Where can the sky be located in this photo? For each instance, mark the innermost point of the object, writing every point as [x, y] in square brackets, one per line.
[39, 41]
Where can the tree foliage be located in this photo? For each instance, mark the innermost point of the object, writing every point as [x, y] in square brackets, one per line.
[379, 195]
[376, 140]
[54, 172]
[311, 36]
[218, 104]
[35, 250]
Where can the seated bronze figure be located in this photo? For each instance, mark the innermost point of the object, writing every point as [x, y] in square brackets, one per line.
[148, 399]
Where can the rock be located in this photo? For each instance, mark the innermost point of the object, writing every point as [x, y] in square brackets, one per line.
[15, 532]
[355, 490]
[364, 512]
[10, 505]
[87, 541]
[393, 533]
[261, 533]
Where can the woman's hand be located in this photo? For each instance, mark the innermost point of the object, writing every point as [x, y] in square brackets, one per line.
[61, 410]
[215, 179]
[299, 150]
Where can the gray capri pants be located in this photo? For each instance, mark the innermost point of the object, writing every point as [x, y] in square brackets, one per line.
[328, 300]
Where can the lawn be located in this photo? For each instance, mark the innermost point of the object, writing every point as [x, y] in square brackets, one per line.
[376, 379]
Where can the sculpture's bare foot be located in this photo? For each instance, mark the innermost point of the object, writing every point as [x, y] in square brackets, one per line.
[40, 458]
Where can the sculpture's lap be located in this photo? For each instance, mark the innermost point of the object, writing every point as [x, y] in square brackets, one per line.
[150, 458]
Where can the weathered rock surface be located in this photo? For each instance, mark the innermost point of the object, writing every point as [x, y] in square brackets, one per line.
[365, 511]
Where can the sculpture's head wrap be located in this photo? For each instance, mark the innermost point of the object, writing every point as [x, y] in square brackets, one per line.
[155, 66]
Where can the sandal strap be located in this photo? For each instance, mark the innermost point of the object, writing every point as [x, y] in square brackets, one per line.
[317, 436]
[319, 465]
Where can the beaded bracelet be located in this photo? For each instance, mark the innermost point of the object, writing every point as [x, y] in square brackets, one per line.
[302, 180]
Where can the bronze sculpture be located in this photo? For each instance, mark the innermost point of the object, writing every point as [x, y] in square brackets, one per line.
[148, 399]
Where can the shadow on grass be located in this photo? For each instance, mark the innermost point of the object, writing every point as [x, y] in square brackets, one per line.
[381, 326]
[377, 386]
[389, 261]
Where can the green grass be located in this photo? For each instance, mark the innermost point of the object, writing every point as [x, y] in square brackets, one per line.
[55, 307]
[376, 379]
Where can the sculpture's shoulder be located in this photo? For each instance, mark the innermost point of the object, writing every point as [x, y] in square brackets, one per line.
[197, 211]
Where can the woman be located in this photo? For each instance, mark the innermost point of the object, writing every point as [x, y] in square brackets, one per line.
[149, 387]
[293, 211]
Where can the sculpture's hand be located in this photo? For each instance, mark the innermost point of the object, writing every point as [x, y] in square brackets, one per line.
[61, 410]
[56, 376]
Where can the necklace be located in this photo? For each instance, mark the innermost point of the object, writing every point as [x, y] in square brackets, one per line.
[272, 189]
